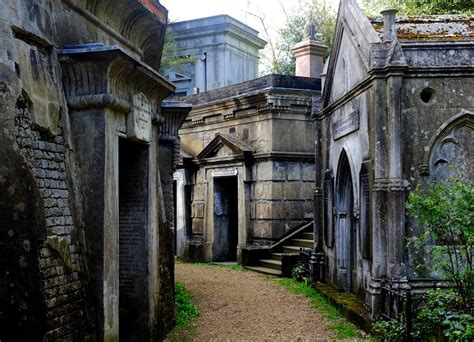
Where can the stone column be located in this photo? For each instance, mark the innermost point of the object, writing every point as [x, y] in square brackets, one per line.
[309, 55]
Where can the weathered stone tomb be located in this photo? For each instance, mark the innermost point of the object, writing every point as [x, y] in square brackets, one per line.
[85, 248]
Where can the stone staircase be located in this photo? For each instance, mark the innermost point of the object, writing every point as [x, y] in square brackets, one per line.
[285, 251]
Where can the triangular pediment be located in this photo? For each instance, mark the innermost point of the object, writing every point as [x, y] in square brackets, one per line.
[349, 62]
[224, 146]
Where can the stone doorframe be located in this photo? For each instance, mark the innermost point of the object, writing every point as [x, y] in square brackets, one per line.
[243, 174]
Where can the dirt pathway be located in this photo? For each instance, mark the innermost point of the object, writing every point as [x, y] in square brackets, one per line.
[244, 306]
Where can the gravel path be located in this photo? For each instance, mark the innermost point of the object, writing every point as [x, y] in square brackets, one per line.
[244, 306]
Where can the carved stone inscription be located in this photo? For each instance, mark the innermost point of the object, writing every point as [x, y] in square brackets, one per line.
[139, 120]
[346, 125]
[224, 173]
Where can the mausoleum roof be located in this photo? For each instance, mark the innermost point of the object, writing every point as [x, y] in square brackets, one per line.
[430, 27]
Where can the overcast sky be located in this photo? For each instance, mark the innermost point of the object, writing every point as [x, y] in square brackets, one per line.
[239, 9]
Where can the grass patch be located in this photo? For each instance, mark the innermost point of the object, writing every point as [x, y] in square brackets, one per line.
[186, 311]
[342, 327]
[236, 267]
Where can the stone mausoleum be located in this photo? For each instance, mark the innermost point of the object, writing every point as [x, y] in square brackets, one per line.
[85, 247]
[221, 51]
[397, 110]
[247, 171]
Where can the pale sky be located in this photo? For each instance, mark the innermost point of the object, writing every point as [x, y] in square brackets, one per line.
[242, 10]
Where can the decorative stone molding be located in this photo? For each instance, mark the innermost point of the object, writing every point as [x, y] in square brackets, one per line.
[447, 132]
[94, 75]
[122, 17]
[390, 184]
[99, 101]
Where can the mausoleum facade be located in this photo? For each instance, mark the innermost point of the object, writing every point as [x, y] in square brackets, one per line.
[396, 111]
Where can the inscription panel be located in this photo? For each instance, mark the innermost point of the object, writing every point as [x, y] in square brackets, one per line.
[139, 120]
[346, 124]
[224, 173]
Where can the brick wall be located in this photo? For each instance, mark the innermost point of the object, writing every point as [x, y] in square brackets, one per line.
[63, 278]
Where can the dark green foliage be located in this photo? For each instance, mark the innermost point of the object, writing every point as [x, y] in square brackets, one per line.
[445, 211]
[417, 7]
[444, 316]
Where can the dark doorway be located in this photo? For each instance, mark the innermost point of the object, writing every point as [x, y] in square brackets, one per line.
[345, 235]
[133, 251]
[225, 219]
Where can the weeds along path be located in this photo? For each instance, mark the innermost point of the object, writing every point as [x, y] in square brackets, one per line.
[239, 305]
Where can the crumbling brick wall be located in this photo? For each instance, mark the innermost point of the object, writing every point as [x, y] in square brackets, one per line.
[62, 273]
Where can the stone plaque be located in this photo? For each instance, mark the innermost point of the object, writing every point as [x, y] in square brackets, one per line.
[224, 173]
[139, 120]
[345, 125]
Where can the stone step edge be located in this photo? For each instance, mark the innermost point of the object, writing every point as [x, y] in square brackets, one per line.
[264, 270]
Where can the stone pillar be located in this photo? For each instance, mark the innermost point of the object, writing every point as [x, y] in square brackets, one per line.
[113, 101]
[389, 24]
[309, 55]
[200, 77]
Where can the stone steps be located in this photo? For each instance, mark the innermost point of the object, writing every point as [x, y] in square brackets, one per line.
[265, 270]
[303, 243]
[273, 264]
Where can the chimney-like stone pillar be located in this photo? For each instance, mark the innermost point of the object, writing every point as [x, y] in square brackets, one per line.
[309, 54]
[389, 24]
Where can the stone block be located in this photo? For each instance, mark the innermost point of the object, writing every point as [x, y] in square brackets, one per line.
[307, 191]
[295, 210]
[292, 191]
[264, 171]
[198, 210]
[308, 210]
[253, 211]
[294, 171]
[279, 171]
[308, 172]
[262, 229]
[271, 210]
[199, 193]
[268, 190]
[198, 225]
[279, 228]
[200, 176]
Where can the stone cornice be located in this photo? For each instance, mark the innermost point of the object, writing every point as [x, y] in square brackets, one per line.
[174, 114]
[105, 76]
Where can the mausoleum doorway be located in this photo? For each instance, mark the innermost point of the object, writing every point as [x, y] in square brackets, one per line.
[133, 237]
[225, 219]
[346, 251]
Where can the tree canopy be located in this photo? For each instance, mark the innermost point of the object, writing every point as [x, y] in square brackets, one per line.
[278, 57]
[418, 7]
